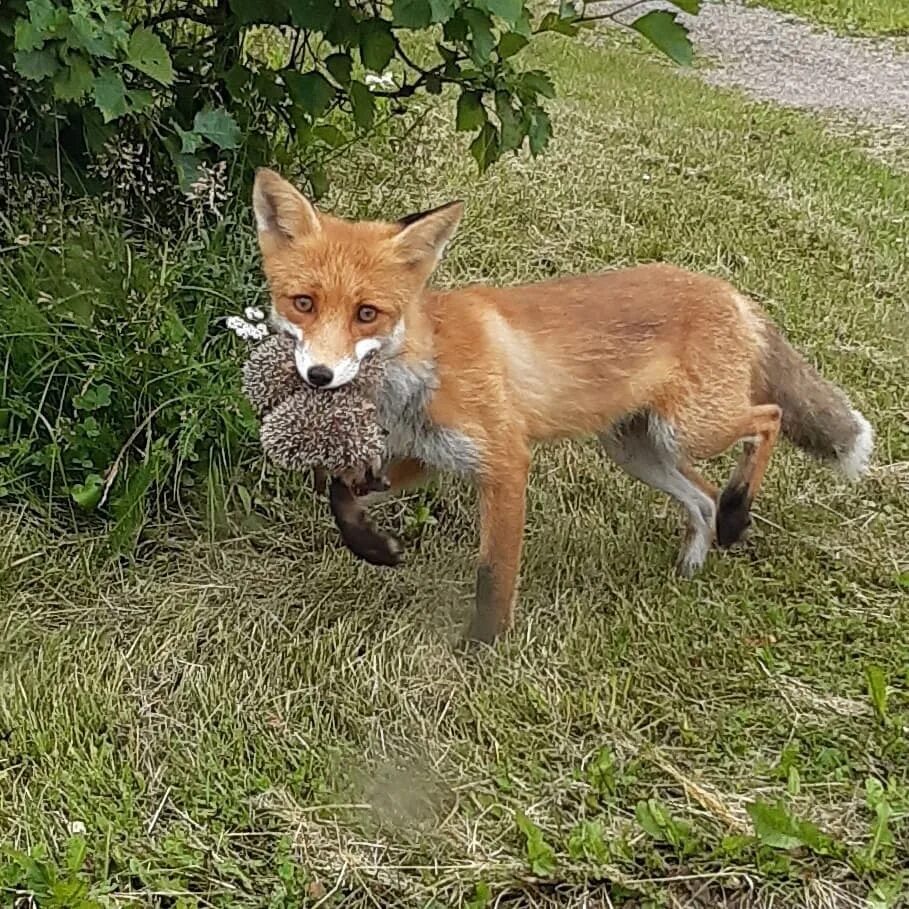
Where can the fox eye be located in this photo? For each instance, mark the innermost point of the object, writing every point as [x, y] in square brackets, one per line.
[303, 303]
[367, 313]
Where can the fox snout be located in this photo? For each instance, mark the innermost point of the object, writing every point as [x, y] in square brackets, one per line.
[322, 370]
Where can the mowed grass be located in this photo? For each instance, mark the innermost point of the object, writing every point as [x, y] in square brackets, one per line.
[870, 17]
[248, 717]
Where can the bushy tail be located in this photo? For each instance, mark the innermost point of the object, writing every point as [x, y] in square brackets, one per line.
[817, 415]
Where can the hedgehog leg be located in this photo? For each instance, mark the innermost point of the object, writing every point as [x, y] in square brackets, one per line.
[319, 479]
[357, 531]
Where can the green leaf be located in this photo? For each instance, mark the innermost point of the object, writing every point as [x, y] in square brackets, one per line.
[189, 140]
[471, 114]
[27, 36]
[588, 841]
[97, 134]
[148, 54]
[650, 816]
[187, 168]
[377, 46]
[218, 126]
[667, 34]
[271, 12]
[318, 182]
[535, 82]
[482, 40]
[540, 131]
[774, 826]
[99, 39]
[553, 22]
[75, 853]
[411, 13]
[339, 65]
[330, 135]
[312, 91]
[793, 781]
[441, 10]
[267, 85]
[343, 29]
[87, 495]
[364, 105]
[139, 99]
[485, 147]
[689, 6]
[110, 94]
[312, 14]
[482, 897]
[540, 854]
[75, 81]
[601, 774]
[37, 64]
[510, 127]
[46, 16]
[509, 44]
[877, 689]
[237, 80]
[509, 10]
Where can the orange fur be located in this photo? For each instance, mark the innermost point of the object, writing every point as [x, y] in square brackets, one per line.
[518, 365]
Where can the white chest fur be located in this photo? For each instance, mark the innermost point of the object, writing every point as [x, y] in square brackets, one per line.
[403, 410]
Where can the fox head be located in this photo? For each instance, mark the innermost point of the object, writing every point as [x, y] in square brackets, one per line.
[340, 288]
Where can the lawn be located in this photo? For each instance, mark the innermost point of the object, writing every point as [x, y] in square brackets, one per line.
[866, 17]
[243, 716]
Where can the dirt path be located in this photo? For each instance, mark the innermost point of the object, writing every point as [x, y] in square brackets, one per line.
[782, 58]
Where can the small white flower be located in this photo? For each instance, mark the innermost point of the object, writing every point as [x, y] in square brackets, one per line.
[76, 827]
[254, 314]
[386, 80]
[248, 331]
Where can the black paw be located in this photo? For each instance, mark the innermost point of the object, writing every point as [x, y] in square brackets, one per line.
[733, 517]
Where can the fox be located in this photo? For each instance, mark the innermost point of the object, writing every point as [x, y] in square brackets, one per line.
[665, 366]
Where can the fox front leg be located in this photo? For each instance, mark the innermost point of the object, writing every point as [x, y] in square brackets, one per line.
[502, 511]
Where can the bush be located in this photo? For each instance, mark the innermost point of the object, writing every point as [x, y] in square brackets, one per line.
[117, 383]
[290, 80]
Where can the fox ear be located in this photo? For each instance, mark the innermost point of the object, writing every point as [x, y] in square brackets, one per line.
[424, 236]
[282, 211]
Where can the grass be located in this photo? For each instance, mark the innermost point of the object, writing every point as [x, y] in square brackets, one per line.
[867, 17]
[244, 717]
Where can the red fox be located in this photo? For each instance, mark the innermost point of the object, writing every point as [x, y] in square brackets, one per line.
[665, 366]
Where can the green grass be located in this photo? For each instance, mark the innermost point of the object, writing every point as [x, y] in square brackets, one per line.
[243, 716]
[867, 17]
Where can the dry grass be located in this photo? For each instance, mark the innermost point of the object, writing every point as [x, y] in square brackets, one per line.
[247, 717]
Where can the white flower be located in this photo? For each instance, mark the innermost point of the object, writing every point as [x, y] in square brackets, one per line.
[254, 314]
[386, 80]
[76, 827]
[249, 331]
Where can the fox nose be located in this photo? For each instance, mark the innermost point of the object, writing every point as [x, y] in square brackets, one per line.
[319, 375]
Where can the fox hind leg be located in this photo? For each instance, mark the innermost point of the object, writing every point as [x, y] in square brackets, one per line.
[759, 431]
[644, 446]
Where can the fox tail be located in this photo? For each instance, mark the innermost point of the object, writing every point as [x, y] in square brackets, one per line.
[817, 415]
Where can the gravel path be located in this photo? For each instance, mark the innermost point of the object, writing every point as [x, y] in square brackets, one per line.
[777, 57]
[781, 58]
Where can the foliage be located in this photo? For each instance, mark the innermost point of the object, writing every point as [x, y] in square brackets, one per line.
[117, 386]
[285, 79]
[37, 879]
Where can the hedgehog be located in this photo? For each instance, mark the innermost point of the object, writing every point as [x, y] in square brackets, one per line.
[331, 431]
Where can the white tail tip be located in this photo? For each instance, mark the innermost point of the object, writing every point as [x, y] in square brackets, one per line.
[854, 463]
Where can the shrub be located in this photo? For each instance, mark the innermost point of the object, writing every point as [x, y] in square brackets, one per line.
[117, 386]
[287, 79]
